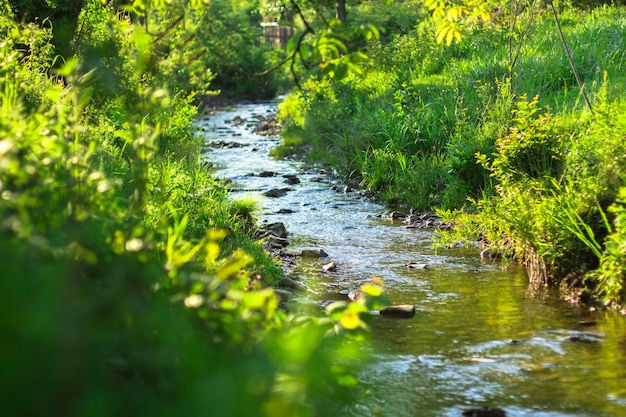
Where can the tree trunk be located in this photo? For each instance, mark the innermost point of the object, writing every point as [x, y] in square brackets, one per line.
[341, 11]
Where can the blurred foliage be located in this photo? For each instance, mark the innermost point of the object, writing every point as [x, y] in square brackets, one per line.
[453, 16]
[126, 289]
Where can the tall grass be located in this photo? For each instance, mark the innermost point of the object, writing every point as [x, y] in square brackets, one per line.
[456, 128]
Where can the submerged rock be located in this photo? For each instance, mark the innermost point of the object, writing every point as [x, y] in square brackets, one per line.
[313, 253]
[290, 283]
[485, 412]
[402, 311]
[415, 265]
[276, 192]
[284, 295]
[292, 181]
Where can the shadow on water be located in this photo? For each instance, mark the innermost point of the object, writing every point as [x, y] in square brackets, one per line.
[480, 337]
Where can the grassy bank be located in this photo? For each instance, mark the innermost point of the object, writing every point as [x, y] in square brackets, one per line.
[494, 133]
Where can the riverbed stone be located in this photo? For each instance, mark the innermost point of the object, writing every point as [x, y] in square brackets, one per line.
[313, 253]
[401, 311]
[284, 295]
[276, 192]
[278, 229]
[485, 412]
[290, 283]
[415, 265]
[276, 242]
[291, 181]
[329, 267]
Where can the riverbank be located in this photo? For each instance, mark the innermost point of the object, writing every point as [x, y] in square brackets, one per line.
[512, 158]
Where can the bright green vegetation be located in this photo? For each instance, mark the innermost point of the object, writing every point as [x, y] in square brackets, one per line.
[492, 131]
[131, 284]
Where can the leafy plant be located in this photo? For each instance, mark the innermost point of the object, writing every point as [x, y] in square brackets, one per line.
[531, 150]
[610, 277]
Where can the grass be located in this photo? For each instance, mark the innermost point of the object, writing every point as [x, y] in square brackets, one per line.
[457, 129]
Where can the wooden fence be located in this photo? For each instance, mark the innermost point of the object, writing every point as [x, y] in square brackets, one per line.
[277, 35]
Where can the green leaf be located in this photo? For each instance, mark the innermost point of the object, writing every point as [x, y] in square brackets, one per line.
[293, 41]
[341, 70]
[305, 51]
[372, 290]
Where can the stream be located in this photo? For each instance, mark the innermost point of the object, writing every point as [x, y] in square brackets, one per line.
[481, 337]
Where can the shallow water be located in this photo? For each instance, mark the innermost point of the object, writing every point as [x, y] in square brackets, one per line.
[481, 336]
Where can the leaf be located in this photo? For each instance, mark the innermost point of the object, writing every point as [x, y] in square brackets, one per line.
[291, 44]
[332, 307]
[448, 31]
[372, 290]
[434, 4]
[370, 31]
[359, 57]
[339, 43]
[457, 12]
[305, 52]
[341, 70]
[139, 7]
[347, 380]
[441, 34]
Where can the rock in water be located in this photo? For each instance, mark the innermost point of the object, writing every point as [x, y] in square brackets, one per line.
[403, 311]
[283, 294]
[313, 253]
[278, 229]
[415, 265]
[292, 181]
[290, 283]
[329, 267]
[485, 412]
[276, 192]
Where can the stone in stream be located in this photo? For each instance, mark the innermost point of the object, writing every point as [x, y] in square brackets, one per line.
[285, 211]
[276, 192]
[266, 174]
[277, 242]
[402, 311]
[485, 412]
[284, 295]
[292, 181]
[329, 267]
[277, 229]
[313, 253]
[290, 283]
[415, 265]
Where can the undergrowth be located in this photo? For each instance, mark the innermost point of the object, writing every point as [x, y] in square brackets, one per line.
[131, 282]
[493, 132]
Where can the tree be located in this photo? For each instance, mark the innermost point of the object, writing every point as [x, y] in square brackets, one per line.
[342, 14]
